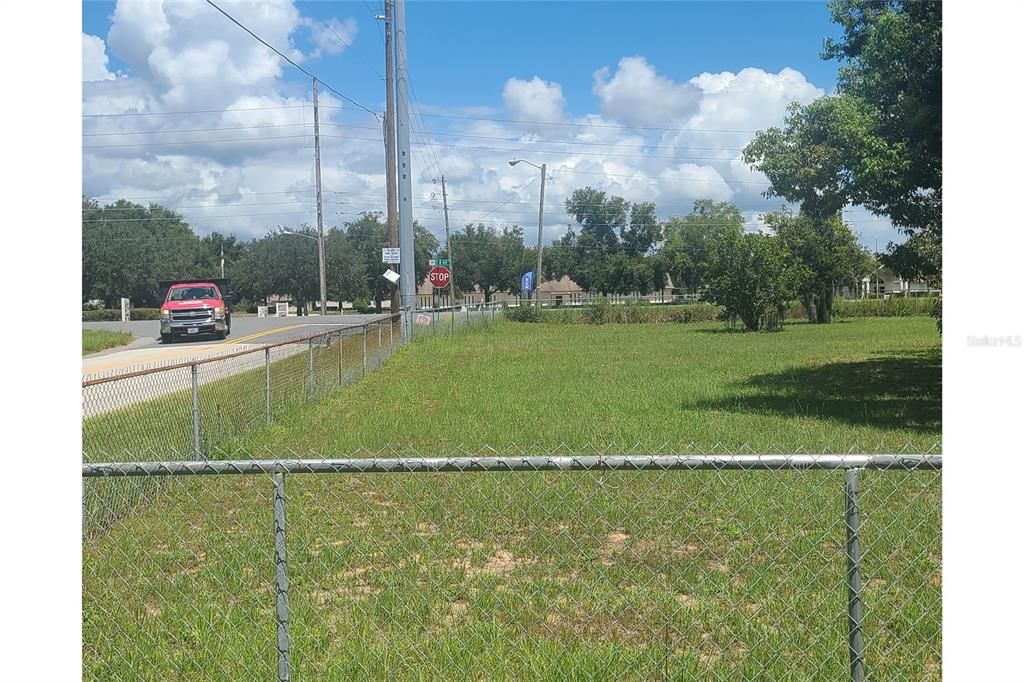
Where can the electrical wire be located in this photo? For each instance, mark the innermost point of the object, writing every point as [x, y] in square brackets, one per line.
[289, 60]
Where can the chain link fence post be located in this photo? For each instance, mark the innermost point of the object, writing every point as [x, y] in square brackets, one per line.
[341, 347]
[266, 386]
[281, 582]
[364, 349]
[197, 449]
[309, 369]
[855, 604]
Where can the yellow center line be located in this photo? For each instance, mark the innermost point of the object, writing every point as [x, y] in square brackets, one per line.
[162, 355]
[264, 333]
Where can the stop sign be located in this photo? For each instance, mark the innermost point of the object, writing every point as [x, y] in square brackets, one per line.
[439, 276]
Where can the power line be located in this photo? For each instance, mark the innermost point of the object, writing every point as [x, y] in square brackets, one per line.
[521, 190]
[196, 142]
[197, 111]
[287, 59]
[196, 130]
[174, 196]
[342, 40]
[622, 126]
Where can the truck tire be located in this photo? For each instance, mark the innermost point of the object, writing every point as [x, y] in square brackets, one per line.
[165, 338]
[221, 335]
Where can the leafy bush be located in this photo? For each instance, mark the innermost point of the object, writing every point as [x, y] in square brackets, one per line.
[896, 306]
[937, 312]
[599, 312]
[114, 314]
[523, 313]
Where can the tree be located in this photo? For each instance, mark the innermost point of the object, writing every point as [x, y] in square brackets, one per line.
[281, 264]
[426, 246]
[748, 275]
[610, 254]
[127, 248]
[643, 231]
[918, 258]
[824, 254]
[346, 271]
[213, 245]
[688, 239]
[488, 259]
[365, 237]
[878, 141]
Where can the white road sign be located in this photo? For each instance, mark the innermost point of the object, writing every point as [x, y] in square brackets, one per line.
[391, 256]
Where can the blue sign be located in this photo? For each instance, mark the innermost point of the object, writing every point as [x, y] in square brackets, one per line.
[526, 283]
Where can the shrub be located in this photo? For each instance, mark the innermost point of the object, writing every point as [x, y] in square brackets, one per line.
[896, 306]
[114, 314]
[599, 312]
[697, 312]
[523, 313]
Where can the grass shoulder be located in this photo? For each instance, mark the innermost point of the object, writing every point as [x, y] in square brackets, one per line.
[93, 341]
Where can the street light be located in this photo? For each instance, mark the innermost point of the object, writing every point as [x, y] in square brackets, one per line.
[323, 277]
[543, 168]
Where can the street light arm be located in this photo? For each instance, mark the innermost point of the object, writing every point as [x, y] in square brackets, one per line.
[299, 234]
[513, 162]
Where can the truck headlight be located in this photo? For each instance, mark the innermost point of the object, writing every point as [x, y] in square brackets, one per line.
[166, 314]
[219, 311]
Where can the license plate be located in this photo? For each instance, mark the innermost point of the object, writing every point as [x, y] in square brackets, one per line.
[193, 330]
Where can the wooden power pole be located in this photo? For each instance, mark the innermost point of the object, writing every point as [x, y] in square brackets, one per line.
[389, 140]
[319, 202]
[451, 258]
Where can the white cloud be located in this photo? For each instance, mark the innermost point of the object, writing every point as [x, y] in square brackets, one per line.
[247, 165]
[332, 36]
[637, 95]
[533, 100]
[94, 59]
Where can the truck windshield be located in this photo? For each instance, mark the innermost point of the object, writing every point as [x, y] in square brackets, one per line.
[191, 293]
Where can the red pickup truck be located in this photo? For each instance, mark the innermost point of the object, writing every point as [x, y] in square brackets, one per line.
[195, 306]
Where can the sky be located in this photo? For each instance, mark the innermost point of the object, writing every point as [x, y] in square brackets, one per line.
[649, 101]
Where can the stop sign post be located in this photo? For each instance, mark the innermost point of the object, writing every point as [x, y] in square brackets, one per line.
[439, 276]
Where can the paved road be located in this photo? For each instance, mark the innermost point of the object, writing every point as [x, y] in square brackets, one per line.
[147, 350]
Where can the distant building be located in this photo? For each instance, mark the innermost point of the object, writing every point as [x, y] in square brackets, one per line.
[884, 283]
[554, 293]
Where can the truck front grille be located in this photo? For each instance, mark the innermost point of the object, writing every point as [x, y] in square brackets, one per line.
[191, 315]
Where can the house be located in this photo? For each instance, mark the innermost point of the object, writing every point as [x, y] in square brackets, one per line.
[884, 283]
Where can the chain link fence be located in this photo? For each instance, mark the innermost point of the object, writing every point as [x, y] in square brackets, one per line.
[514, 564]
[204, 403]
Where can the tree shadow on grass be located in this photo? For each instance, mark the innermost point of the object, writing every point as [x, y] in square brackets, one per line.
[899, 391]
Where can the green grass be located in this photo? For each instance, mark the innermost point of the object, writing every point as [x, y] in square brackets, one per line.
[872, 383]
[624, 575]
[94, 341]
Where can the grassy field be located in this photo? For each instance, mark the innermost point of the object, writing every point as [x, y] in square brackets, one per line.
[872, 383]
[94, 341]
[624, 575]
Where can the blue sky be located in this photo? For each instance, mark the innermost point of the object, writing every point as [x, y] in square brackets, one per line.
[652, 101]
[461, 53]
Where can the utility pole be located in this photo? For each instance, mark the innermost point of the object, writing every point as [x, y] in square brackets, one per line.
[540, 234]
[451, 259]
[319, 201]
[407, 283]
[389, 139]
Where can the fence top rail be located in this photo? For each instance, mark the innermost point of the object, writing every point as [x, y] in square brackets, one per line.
[534, 463]
[220, 358]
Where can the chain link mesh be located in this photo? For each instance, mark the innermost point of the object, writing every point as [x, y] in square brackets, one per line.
[517, 564]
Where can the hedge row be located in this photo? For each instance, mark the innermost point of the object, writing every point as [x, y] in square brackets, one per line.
[604, 312]
[885, 307]
[114, 314]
